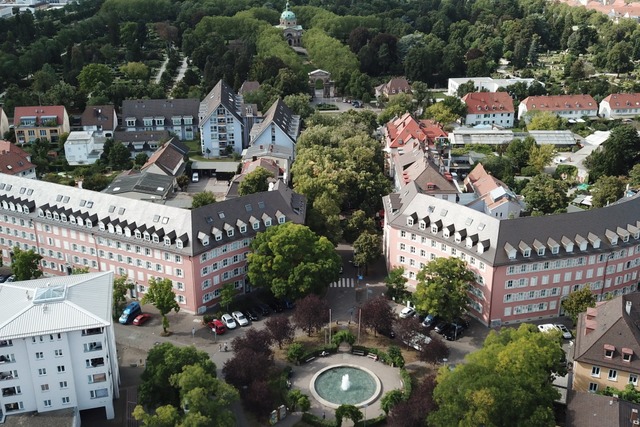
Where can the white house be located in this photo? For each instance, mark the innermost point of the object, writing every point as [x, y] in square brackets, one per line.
[620, 106]
[489, 108]
[279, 127]
[483, 84]
[84, 147]
[57, 345]
[570, 107]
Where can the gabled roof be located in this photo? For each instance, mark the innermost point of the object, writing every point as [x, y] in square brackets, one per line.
[427, 177]
[39, 111]
[488, 102]
[55, 305]
[146, 183]
[268, 150]
[402, 131]
[610, 324]
[490, 189]
[223, 94]
[623, 100]
[280, 115]
[560, 103]
[169, 158]
[141, 136]
[268, 164]
[595, 410]
[13, 159]
[167, 108]
[396, 85]
[99, 115]
[249, 86]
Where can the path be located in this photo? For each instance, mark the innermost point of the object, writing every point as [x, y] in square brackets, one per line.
[161, 70]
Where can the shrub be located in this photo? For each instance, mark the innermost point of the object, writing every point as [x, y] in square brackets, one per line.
[343, 336]
[395, 356]
[406, 383]
[207, 318]
[295, 352]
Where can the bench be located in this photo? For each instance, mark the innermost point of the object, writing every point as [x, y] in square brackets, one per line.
[310, 359]
[372, 356]
[358, 352]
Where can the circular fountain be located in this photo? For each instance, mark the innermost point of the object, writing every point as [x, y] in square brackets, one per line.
[345, 384]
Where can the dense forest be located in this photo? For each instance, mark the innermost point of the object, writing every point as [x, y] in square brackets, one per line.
[361, 42]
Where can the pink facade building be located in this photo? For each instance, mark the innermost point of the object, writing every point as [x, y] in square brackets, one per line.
[199, 250]
[525, 266]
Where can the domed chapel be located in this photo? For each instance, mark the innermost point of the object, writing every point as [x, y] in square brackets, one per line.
[291, 31]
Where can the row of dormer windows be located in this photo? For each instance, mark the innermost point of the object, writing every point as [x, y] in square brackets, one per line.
[229, 229]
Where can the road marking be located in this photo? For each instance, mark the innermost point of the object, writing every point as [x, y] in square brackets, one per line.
[343, 282]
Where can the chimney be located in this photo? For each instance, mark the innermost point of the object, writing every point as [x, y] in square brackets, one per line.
[628, 307]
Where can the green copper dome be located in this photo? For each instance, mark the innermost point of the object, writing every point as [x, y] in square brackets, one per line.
[287, 15]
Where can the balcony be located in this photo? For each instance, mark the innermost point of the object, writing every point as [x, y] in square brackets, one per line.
[93, 331]
[7, 358]
[8, 375]
[6, 343]
[10, 391]
[92, 346]
[12, 407]
[95, 362]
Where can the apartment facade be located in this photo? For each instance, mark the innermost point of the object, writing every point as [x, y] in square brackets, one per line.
[570, 107]
[57, 345]
[40, 122]
[485, 108]
[199, 250]
[607, 346]
[620, 106]
[524, 266]
[178, 116]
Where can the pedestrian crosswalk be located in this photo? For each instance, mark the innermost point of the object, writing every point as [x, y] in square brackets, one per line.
[344, 282]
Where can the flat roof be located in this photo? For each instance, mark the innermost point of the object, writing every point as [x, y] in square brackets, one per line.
[230, 167]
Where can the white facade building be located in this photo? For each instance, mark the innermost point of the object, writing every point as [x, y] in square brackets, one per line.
[484, 83]
[83, 147]
[57, 345]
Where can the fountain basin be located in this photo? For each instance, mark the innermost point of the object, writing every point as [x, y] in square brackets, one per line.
[326, 386]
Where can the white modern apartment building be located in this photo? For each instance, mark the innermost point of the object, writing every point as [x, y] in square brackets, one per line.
[57, 345]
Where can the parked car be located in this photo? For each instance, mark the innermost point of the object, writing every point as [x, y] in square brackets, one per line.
[251, 314]
[407, 312]
[195, 177]
[386, 332]
[217, 326]
[130, 312]
[430, 321]
[440, 326]
[240, 319]
[418, 341]
[5, 277]
[453, 331]
[288, 304]
[11, 278]
[547, 327]
[276, 306]
[262, 309]
[228, 321]
[141, 319]
[566, 333]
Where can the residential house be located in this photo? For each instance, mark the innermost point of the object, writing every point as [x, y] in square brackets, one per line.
[4, 123]
[620, 106]
[607, 345]
[101, 119]
[170, 159]
[225, 121]
[570, 107]
[281, 155]
[492, 196]
[177, 116]
[524, 266]
[484, 84]
[248, 86]
[418, 168]
[58, 346]
[402, 135]
[145, 141]
[249, 166]
[485, 108]
[40, 122]
[393, 87]
[84, 147]
[15, 161]
[595, 410]
[199, 250]
[138, 185]
[279, 126]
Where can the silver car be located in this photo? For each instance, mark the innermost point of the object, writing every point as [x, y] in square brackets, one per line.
[240, 318]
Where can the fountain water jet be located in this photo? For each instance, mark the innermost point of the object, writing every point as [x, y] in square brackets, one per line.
[346, 384]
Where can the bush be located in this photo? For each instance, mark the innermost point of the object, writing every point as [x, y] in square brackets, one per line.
[529, 171]
[207, 318]
[406, 382]
[295, 352]
[314, 421]
[343, 336]
[395, 356]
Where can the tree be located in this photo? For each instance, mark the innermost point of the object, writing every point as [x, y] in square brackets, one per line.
[413, 411]
[420, 92]
[203, 198]
[367, 249]
[348, 411]
[466, 88]
[358, 223]
[163, 361]
[255, 182]
[291, 261]
[312, 313]
[607, 189]
[119, 157]
[442, 288]
[183, 182]
[121, 285]
[619, 58]
[396, 283]
[441, 114]
[543, 120]
[297, 399]
[540, 156]
[634, 175]
[513, 362]
[95, 182]
[281, 330]
[545, 195]
[93, 75]
[435, 351]
[391, 399]
[160, 294]
[227, 293]
[617, 155]
[25, 265]
[300, 104]
[141, 159]
[578, 301]
[377, 315]
[519, 151]
[135, 71]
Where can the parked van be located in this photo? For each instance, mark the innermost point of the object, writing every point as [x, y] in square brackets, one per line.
[130, 312]
[217, 326]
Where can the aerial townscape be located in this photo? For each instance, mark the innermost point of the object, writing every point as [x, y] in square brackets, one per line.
[320, 213]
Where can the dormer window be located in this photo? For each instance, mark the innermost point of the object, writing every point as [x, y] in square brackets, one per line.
[541, 251]
[410, 221]
[510, 250]
[539, 247]
[281, 217]
[204, 238]
[56, 216]
[422, 225]
[88, 223]
[612, 236]
[63, 217]
[156, 239]
[111, 228]
[179, 244]
[167, 241]
[609, 350]
[627, 354]
[48, 214]
[595, 240]
[147, 236]
[624, 234]
[138, 234]
[101, 225]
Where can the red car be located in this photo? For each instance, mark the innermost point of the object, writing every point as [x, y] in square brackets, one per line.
[217, 326]
[141, 319]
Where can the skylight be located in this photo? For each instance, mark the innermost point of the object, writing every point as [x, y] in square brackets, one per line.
[220, 214]
[49, 294]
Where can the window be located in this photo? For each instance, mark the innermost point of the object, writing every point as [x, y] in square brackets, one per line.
[61, 369]
[102, 392]
[39, 355]
[44, 387]
[613, 375]
[608, 353]
[65, 400]
[47, 403]
[626, 357]
[42, 371]
[63, 384]
[633, 379]
[595, 371]
[593, 387]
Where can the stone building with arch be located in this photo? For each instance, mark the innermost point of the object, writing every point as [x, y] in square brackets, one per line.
[291, 31]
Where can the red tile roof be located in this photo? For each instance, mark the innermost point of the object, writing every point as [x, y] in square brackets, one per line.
[560, 103]
[38, 111]
[406, 130]
[623, 100]
[13, 159]
[482, 102]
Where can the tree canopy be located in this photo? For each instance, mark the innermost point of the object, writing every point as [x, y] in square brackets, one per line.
[292, 261]
[545, 195]
[507, 382]
[578, 301]
[25, 265]
[160, 294]
[203, 198]
[617, 155]
[442, 288]
[255, 182]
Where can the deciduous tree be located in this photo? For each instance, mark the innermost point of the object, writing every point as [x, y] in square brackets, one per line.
[607, 189]
[292, 261]
[203, 198]
[25, 265]
[545, 195]
[578, 301]
[396, 283]
[617, 155]
[300, 104]
[377, 315]
[281, 330]
[121, 285]
[367, 249]
[442, 288]
[227, 293]
[543, 120]
[93, 75]
[255, 182]
[312, 313]
[160, 294]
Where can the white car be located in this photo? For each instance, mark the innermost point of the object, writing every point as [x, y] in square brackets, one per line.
[195, 177]
[228, 321]
[547, 327]
[407, 312]
[240, 318]
[566, 333]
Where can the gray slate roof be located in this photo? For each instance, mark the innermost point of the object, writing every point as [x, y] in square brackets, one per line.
[280, 114]
[152, 184]
[223, 94]
[594, 410]
[166, 108]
